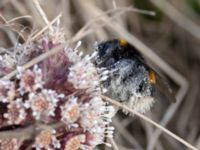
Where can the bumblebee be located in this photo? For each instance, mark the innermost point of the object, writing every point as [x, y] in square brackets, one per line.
[131, 80]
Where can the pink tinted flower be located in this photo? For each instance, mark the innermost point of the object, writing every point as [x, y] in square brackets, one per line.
[75, 142]
[83, 75]
[7, 91]
[46, 139]
[30, 80]
[16, 112]
[70, 112]
[10, 144]
[43, 104]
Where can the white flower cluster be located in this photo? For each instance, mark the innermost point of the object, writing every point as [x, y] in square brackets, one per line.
[62, 90]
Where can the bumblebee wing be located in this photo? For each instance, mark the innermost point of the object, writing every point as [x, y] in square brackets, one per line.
[160, 85]
[163, 89]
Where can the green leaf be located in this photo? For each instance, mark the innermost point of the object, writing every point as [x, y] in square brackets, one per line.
[194, 4]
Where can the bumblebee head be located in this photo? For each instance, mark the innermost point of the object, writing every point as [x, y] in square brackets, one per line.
[109, 52]
[106, 51]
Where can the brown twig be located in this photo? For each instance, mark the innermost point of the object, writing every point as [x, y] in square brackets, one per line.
[127, 135]
[42, 13]
[24, 133]
[114, 102]
[177, 17]
[113, 143]
[46, 27]
[28, 132]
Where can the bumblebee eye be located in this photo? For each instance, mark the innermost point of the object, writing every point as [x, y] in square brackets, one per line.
[123, 42]
[152, 77]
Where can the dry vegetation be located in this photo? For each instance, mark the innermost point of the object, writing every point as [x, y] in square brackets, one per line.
[166, 32]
